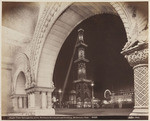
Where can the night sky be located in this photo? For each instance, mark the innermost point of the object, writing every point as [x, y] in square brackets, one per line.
[105, 36]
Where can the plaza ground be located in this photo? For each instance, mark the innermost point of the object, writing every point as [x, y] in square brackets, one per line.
[93, 112]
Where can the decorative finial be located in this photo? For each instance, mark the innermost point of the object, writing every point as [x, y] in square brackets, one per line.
[80, 35]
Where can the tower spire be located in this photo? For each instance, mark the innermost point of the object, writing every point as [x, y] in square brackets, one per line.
[80, 35]
[81, 60]
[80, 39]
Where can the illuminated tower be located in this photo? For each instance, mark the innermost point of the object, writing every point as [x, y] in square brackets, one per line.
[82, 84]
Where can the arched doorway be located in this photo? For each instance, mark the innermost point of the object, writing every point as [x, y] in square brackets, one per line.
[105, 36]
[20, 100]
[61, 29]
[20, 84]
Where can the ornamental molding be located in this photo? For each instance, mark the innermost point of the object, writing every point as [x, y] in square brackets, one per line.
[135, 22]
[21, 64]
[39, 89]
[137, 55]
[18, 95]
[140, 65]
[45, 22]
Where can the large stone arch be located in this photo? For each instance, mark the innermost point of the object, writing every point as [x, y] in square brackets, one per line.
[54, 27]
[59, 19]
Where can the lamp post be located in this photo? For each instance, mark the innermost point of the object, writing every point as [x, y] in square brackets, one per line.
[59, 91]
[92, 85]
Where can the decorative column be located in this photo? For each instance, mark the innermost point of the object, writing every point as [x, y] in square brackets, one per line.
[137, 57]
[39, 101]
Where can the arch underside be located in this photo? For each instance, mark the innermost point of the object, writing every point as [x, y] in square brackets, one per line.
[63, 26]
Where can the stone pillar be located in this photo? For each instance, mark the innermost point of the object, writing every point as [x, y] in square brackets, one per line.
[49, 100]
[44, 100]
[15, 103]
[138, 58]
[20, 102]
[38, 100]
[24, 102]
[29, 105]
[32, 100]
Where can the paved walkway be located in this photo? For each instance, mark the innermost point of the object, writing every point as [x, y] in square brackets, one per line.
[93, 112]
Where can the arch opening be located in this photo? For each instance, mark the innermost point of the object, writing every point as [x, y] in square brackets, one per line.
[20, 84]
[62, 27]
[105, 36]
[20, 100]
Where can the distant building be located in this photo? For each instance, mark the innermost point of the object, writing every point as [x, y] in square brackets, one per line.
[122, 97]
[118, 99]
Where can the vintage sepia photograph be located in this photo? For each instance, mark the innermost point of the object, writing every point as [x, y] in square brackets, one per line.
[74, 60]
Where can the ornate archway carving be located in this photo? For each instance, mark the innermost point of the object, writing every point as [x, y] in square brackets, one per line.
[21, 64]
[134, 22]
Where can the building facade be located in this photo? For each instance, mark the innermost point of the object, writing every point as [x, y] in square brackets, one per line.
[123, 97]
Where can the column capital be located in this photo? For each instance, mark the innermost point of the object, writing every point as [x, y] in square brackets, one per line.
[18, 95]
[39, 89]
[137, 54]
